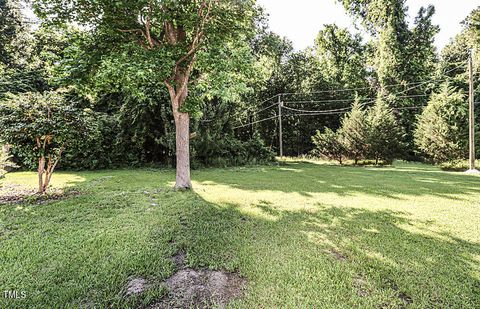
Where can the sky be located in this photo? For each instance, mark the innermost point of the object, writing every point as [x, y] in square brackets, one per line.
[300, 20]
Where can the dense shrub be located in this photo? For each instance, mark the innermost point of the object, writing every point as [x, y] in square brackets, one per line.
[457, 165]
[230, 151]
[141, 134]
[100, 148]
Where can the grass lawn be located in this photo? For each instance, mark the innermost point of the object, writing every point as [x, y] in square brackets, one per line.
[303, 234]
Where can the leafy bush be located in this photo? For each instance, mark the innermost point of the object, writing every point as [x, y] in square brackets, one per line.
[230, 151]
[39, 127]
[457, 165]
[100, 148]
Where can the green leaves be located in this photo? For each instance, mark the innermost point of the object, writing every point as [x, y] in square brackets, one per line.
[129, 50]
[354, 132]
[31, 120]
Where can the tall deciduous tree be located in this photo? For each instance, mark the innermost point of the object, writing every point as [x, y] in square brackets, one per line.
[386, 21]
[173, 42]
[341, 57]
[454, 57]
[401, 55]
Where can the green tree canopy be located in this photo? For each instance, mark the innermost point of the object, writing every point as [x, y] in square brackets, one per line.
[165, 43]
[41, 126]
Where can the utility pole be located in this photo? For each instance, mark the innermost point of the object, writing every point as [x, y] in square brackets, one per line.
[280, 133]
[471, 100]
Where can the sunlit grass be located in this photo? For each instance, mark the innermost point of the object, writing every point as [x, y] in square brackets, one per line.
[304, 234]
[29, 180]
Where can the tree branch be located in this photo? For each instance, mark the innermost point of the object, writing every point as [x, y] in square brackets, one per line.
[148, 25]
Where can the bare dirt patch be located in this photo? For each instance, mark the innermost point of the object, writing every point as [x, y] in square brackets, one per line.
[179, 259]
[405, 298]
[362, 286]
[15, 194]
[190, 288]
[337, 255]
[11, 193]
[136, 286]
[401, 295]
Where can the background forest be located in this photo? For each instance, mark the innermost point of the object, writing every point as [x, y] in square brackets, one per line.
[389, 96]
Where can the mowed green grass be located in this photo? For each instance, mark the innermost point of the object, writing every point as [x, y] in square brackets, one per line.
[304, 235]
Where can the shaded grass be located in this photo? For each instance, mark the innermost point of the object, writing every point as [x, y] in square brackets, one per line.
[303, 234]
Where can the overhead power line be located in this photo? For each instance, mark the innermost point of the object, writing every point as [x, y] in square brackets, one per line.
[317, 111]
[350, 100]
[346, 109]
[254, 122]
[263, 109]
[370, 87]
[320, 113]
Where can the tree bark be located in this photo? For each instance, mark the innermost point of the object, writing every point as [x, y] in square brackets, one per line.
[178, 95]
[48, 174]
[182, 128]
[178, 89]
[41, 170]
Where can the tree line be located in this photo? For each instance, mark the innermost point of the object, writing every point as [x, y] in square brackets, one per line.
[398, 65]
[152, 83]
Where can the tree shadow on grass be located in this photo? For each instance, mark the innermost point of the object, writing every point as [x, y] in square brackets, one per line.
[84, 249]
[307, 178]
[335, 257]
[79, 252]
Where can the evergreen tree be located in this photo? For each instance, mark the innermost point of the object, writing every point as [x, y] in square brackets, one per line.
[400, 55]
[384, 134]
[328, 144]
[442, 129]
[354, 133]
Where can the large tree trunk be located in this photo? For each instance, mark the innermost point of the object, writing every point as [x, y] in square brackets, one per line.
[178, 94]
[182, 128]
